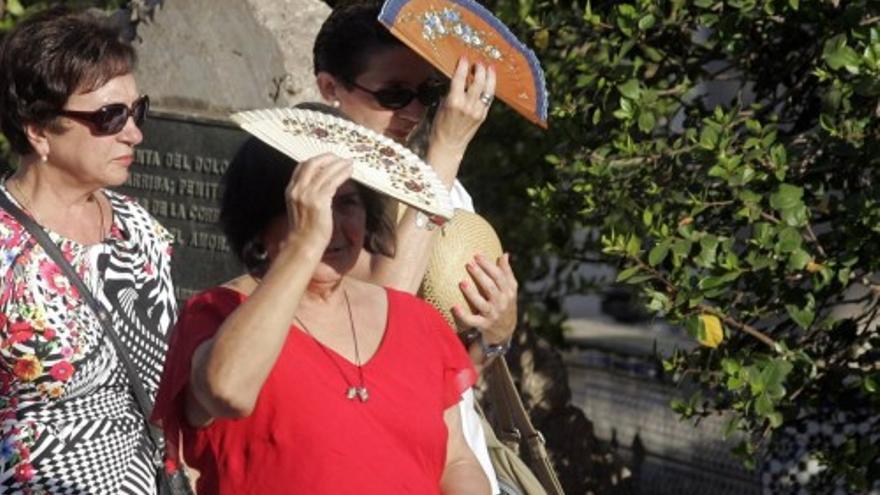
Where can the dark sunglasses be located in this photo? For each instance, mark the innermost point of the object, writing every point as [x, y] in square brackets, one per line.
[428, 93]
[110, 119]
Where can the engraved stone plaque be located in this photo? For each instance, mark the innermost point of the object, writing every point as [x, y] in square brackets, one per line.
[176, 177]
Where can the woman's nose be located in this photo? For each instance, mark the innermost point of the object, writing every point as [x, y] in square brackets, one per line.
[131, 134]
[412, 112]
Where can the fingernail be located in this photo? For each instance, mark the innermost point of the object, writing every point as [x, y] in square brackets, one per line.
[471, 265]
[463, 284]
[480, 257]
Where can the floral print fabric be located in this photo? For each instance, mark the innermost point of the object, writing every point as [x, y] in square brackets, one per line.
[68, 421]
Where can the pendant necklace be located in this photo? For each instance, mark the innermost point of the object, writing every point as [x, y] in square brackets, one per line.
[353, 391]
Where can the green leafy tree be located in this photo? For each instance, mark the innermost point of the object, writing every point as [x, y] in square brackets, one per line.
[724, 155]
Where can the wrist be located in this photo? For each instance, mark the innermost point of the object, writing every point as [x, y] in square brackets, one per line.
[473, 337]
[300, 246]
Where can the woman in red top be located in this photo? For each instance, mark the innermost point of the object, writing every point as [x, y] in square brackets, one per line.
[297, 378]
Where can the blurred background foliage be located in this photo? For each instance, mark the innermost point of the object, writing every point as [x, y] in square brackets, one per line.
[723, 156]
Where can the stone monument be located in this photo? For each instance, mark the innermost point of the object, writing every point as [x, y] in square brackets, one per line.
[217, 56]
[200, 60]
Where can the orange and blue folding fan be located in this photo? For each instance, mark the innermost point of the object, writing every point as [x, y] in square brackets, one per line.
[441, 31]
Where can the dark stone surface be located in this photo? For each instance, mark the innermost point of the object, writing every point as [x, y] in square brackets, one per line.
[176, 177]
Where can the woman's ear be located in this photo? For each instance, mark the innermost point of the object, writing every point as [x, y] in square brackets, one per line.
[328, 86]
[38, 139]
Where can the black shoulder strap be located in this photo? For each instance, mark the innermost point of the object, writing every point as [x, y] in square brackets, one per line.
[140, 394]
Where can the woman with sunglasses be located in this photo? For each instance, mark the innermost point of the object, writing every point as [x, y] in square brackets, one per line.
[378, 82]
[71, 111]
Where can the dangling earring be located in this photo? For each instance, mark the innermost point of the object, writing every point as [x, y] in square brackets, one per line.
[43, 158]
[336, 103]
[255, 257]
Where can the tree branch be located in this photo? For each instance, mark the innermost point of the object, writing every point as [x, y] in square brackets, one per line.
[754, 332]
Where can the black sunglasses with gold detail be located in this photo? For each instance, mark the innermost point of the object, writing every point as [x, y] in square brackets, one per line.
[110, 119]
[428, 93]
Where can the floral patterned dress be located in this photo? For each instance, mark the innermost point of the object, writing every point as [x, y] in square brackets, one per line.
[69, 423]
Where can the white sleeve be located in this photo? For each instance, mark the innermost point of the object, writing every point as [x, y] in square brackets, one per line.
[472, 427]
[460, 197]
[476, 439]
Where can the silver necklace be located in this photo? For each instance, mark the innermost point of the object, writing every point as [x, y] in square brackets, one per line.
[26, 204]
[353, 391]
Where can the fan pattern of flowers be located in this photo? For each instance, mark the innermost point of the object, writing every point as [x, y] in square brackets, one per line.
[386, 158]
[448, 22]
[379, 162]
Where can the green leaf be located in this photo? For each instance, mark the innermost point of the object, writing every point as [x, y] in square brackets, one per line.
[14, 8]
[682, 247]
[805, 314]
[762, 234]
[633, 246]
[694, 326]
[731, 366]
[646, 121]
[870, 384]
[713, 282]
[786, 197]
[837, 54]
[764, 406]
[678, 406]
[709, 248]
[708, 138]
[790, 240]
[630, 89]
[796, 217]
[794, 4]
[628, 273]
[658, 253]
[798, 260]
[774, 375]
[647, 22]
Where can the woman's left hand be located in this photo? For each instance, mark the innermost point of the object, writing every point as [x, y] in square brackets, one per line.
[463, 110]
[493, 296]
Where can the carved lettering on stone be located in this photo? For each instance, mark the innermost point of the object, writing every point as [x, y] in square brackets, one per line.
[176, 177]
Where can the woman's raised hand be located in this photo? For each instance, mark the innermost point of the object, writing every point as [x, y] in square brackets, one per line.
[309, 196]
[465, 107]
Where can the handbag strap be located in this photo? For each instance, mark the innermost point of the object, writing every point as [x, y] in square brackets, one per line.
[515, 424]
[40, 235]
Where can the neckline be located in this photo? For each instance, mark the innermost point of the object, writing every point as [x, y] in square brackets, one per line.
[55, 236]
[296, 330]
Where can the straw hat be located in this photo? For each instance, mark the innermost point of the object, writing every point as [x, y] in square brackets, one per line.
[456, 244]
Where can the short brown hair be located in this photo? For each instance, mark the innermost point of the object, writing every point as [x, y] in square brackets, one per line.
[50, 56]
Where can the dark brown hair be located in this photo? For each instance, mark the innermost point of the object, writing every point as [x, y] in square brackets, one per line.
[346, 40]
[253, 196]
[50, 56]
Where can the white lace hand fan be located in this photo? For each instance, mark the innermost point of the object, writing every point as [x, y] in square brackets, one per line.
[379, 162]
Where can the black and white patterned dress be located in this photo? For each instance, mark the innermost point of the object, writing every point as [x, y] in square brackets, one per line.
[69, 423]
